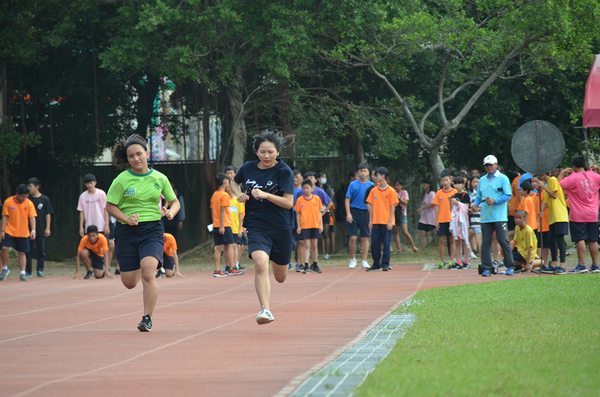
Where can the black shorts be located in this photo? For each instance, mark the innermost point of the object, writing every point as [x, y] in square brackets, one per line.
[307, 234]
[425, 228]
[560, 228]
[511, 222]
[223, 239]
[133, 243]
[112, 226]
[518, 258]
[96, 260]
[399, 216]
[546, 238]
[168, 262]
[584, 231]
[21, 243]
[241, 240]
[444, 229]
[276, 243]
[331, 228]
[360, 220]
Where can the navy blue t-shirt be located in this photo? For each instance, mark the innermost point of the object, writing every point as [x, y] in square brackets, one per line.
[263, 214]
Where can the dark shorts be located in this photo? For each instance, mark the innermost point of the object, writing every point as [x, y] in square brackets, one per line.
[399, 217]
[276, 243]
[168, 262]
[360, 221]
[133, 243]
[21, 243]
[331, 228]
[96, 260]
[223, 239]
[584, 231]
[241, 240]
[326, 218]
[425, 228]
[511, 222]
[112, 226]
[307, 234]
[560, 228]
[444, 229]
[546, 238]
[518, 258]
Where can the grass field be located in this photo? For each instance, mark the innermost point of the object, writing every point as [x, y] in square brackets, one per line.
[530, 337]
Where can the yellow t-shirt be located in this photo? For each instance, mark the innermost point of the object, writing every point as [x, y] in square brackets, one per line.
[236, 208]
[525, 238]
[557, 208]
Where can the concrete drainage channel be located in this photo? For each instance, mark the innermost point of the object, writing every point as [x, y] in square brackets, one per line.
[349, 370]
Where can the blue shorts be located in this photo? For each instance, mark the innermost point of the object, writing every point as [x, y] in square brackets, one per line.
[21, 243]
[96, 260]
[584, 231]
[168, 262]
[241, 240]
[360, 220]
[476, 229]
[425, 228]
[133, 243]
[223, 239]
[276, 243]
[444, 229]
[307, 234]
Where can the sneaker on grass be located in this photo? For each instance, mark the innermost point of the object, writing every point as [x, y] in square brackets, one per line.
[486, 273]
[264, 317]
[146, 324]
[352, 264]
[579, 269]
[364, 265]
[510, 271]
[547, 269]
[218, 273]
[595, 269]
[4, 273]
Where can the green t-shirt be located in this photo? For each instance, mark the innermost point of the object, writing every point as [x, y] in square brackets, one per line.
[140, 194]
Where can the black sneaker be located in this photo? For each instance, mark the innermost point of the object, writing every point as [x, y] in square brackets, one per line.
[465, 266]
[386, 268]
[159, 274]
[89, 275]
[226, 269]
[374, 269]
[117, 271]
[455, 266]
[146, 324]
[238, 267]
[315, 268]
[305, 269]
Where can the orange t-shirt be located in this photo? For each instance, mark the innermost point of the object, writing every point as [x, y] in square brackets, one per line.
[170, 244]
[545, 224]
[442, 200]
[513, 203]
[528, 205]
[382, 201]
[219, 199]
[18, 215]
[331, 215]
[310, 211]
[97, 248]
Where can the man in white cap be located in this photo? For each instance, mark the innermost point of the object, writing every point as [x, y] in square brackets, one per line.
[493, 194]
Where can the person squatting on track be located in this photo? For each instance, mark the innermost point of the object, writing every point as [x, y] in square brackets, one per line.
[268, 186]
[92, 250]
[133, 198]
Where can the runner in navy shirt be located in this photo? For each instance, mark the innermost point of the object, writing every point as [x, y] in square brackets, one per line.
[266, 186]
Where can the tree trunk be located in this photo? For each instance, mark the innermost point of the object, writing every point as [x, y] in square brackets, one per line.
[358, 151]
[3, 116]
[146, 91]
[238, 128]
[436, 162]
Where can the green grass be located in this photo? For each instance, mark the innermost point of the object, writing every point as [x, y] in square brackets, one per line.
[530, 337]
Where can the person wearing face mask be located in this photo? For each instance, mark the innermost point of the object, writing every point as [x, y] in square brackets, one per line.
[328, 228]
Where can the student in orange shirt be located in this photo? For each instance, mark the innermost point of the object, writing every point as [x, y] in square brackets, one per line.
[527, 204]
[92, 250]
[18, 218]
[383, 199]
[310, 226]
[222, 221]
[443, 217]
[543, 230]
[170, 258]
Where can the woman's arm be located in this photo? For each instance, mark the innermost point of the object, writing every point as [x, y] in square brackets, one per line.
[120, 216]
[170, 209]
[287, 201]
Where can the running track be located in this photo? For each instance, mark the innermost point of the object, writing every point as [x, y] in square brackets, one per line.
[64, 337]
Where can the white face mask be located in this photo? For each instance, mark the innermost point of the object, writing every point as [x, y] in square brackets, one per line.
[323, 181]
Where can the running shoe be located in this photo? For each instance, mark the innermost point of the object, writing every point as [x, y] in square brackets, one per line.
[159, 274]
[28, 274]
[386, 268]
[374, 268]
[89, 275]
[264, 317]
[465, 266]
[364, 265]
[290, 267]
[548, 269]
[455, 266]
[520, 270]
[23, 277]
[559, 271]
[315, 268]
[226, 269]
[305, 269]
[578, 270]
[234, 272]
[486, 273]
[4, 273]
[242, 268]
[510, 271]
[595, 269]
[472, 255]
[352, 264]
[299, 268]
[146, 324]
[40, 274]
[218, 273]
[326, 256]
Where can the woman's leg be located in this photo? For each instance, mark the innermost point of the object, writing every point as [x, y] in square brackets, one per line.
[148, 270]
[423, 238]
[397, 238]
[261, 277]
[409, 238]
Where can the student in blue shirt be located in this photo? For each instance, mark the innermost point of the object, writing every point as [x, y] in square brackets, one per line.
[357, 216]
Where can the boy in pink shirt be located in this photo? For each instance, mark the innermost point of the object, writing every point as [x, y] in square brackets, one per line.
[92, 207]
[582, 188]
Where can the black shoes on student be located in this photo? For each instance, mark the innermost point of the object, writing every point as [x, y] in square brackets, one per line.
[146, 324]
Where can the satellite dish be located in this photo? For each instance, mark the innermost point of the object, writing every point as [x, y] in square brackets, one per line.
[538, 147]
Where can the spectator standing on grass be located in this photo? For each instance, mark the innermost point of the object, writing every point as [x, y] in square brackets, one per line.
[581, 185]
[43, 220]
[357, 216]
[92, 207]
[18, 227]
[492, 198]
[527, 203]
[427, 211]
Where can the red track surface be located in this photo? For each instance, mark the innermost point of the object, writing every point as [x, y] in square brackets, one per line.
[64, 337]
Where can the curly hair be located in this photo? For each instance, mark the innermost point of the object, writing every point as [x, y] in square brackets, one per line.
[275, 138]
[120, 150]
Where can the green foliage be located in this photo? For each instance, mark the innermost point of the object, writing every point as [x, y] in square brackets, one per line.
[12, 142]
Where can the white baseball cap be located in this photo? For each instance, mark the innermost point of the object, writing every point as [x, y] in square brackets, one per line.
[490, 159]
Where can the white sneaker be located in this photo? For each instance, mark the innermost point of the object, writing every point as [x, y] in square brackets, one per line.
[365, 265]
[264, 317]
[352, 264]
[472, 255]
[326, 256]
